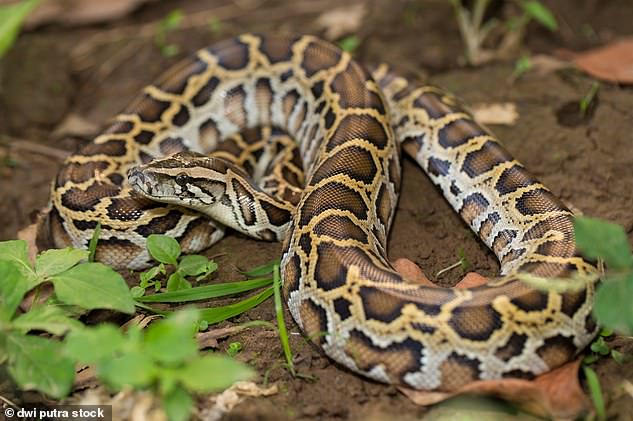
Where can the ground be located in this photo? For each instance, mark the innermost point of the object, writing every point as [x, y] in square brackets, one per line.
[54, 72]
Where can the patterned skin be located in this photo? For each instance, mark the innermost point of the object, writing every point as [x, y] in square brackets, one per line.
[348, 126]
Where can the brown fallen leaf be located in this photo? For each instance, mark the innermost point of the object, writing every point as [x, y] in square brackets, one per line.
[556, 394]
[411, 272]
[612, 62]
[341, 20]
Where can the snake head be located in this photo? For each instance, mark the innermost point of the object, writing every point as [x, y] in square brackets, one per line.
[185, 179]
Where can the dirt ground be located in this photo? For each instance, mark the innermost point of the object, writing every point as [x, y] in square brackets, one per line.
[54, 73]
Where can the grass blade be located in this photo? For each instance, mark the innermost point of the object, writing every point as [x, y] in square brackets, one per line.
[205, 292]
[92, 245]
[218, 314]
[281, 324]
[595, 391]
[261, 270]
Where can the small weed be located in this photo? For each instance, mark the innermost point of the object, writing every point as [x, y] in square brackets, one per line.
[170, 23]
[234, 349]
[349, 43]
[587, 100]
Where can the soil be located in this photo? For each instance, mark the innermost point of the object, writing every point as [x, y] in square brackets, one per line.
[54, 72]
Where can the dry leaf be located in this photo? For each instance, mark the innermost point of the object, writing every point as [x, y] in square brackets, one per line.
[612, 62]
[341, 21]
[76, 126]
[209, 339]
[497, 113]
[411, 272]
[555, 394]
[231, 397]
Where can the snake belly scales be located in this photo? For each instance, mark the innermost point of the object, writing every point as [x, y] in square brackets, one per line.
[332, 200]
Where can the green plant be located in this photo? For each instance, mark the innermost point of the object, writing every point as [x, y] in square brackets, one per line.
[11, 18]
[171, 22]
[349, 43]
[36, 362]
[167, 251]
[163, 359]
[475, 31]
[598, 239]
[589, 98]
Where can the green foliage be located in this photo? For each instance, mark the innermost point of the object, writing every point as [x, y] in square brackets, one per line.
[522, 65]
[595, 391]
[234, 349]
[598, 239]
[36, 362]
[167, 251]
[349, 43]
[279, 310]
[170, 23]
[165, 360]
[537, 11]
[11, 18]
[589, 98]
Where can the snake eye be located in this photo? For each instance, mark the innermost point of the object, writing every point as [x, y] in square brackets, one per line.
[182, 179]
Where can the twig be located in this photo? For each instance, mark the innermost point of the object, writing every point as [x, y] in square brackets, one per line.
[34, 147]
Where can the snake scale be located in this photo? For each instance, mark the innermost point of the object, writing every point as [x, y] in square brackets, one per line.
[196, 142]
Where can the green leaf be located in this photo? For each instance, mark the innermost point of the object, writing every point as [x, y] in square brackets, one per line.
[17, 251]
[178, 404]
[48, 318]
[150, 274]
[217, 314]
[92, 245]
[92, 345]
[55, 261]
[163, 248]
[172, 340]
[193, 265]
[93, 285]
[131, 369]
[177, 282]
[11, 18]
[172, 20]
[600, 239]
[599, 346]
[595, 391]
[234, 349]
[612, 306]
[36, 363]
[535, 9]
[13, 287]
[281, 324]
[205, 292]
[212, 373]
[349, 44]
[262, 270]
[618, 357]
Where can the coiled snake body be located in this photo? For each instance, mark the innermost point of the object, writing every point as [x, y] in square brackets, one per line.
[339, 285]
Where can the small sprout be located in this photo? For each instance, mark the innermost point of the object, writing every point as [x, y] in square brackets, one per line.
[588, 99]
[522, 65]
[537, 11]
[349, 44]
[169, 23]
[595, 391]
[599, 346]
[234, 349]
[215, 25]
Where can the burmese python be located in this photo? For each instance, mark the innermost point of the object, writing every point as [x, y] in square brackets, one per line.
[339, 285]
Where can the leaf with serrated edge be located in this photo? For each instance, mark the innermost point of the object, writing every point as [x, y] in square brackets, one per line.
[612, 306]
[131, 369]
[36, 363]
[600, 239]
[172, 340]
[17, 251]
[48, 318]
[91, 345]
[55, 261]
[13, 287]
[92, 286]
[212, 373]
[178, 404]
